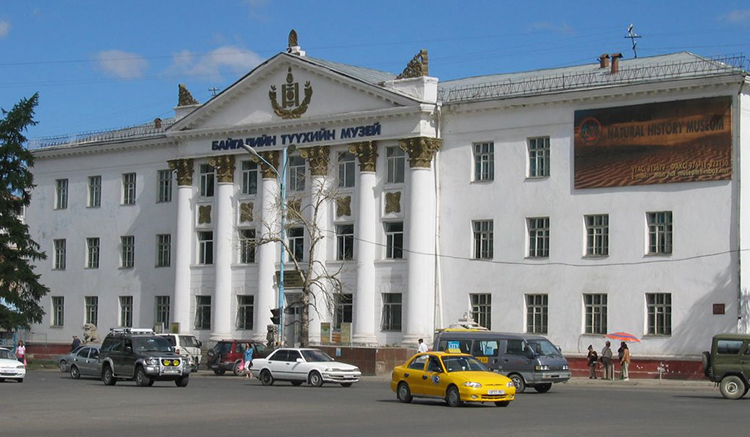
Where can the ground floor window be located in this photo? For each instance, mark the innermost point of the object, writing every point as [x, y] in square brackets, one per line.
[162, 311]
[537, 313]
[245, 311]
[342, 310]
[58, 311]
[92, 310]
[126, 311]
[481, 309]
[391, 317]
[202, 312]
[659, 313]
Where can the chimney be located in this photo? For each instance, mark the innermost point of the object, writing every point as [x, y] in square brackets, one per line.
[157, 123]
[615, 62]
[604, 60]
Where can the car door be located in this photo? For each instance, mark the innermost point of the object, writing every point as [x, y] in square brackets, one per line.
[435, 378]
[277, 362]
[92, 365]
[414, 374]
[515, 359]
[84, 361]
[297, 370]
[79, 358]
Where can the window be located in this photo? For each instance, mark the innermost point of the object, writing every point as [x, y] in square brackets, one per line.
[419, 362]
[484, 161]
[728, 347]
[245, 310]
[127, 254]
[396, 165]
[59, 262]
[249, 177]
[128, 189]
[163, 250]
[161, 314]
[394, 240]
[296, 174]
[58, 311]
[346, 170]
[659, 313]
[126, 311]
[481, 309]
[208, 176]
[659, 232]
[537, 313]
[391, 319]
[247, 246]
[205, 248]
[92, 310]
[95, 192]
[202, 312]
[483, 239]
[165, 186]
[538, 237]
[485, 348]
[345, 242]
[296, 238]
[342, 311]
[597, 235]
[61, 194]
[92, 253]
[538, 157]
[596, 313]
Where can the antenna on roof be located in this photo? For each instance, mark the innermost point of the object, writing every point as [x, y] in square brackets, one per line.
[213, 90]
[632, 35]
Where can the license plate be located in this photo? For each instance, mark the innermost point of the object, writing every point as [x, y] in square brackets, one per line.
[496, 392]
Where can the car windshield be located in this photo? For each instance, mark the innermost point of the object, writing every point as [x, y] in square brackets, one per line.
[463, 364]
[151, 344]
[7, 355]
[315, 356]
[544, 348]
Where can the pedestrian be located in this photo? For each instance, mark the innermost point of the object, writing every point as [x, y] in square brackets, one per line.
[21, 352]
[248, 357]
[607, 361]
[593, 358]
[625, 361]
[422, 347]
[76, 343]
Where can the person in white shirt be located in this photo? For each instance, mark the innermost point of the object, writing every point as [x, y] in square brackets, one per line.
[422, 346]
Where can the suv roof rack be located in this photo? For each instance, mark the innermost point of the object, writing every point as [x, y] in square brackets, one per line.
[131, 331]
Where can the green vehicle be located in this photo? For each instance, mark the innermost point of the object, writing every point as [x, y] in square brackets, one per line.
[728, 364]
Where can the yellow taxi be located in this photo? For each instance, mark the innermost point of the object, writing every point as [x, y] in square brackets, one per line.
[455, 377]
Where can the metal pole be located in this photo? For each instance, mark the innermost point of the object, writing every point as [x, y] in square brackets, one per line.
[281, 254]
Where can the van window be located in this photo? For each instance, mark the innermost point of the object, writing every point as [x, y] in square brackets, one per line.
[463, 345]
[188, 341]
[485, 348]
[545, 349]
[516, 347]
[729, 347]
[171, 340]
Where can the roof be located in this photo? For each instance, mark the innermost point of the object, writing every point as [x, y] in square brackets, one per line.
[368, 75]
[130, 133]
[673, 66]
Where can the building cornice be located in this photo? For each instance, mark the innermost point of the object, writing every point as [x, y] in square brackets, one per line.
[96, 148]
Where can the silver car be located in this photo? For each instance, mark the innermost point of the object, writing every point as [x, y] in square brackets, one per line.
[84, 361]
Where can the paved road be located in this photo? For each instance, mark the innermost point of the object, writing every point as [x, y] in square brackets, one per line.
[51, 404]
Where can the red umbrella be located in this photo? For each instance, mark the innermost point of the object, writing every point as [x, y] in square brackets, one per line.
[623, 336]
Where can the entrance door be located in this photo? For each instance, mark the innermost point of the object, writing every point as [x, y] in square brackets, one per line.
[292, 319]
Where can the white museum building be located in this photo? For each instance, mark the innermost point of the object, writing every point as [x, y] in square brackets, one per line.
[571, 202]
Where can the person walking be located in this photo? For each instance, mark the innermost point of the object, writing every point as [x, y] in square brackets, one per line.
[593, 358]
[248, 358]
[607, 361]
[21, 352]
[76, 342]
[625, 361]
[422, 347]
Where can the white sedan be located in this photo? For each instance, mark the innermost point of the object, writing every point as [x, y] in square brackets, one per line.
[10, 367]
[312, 366]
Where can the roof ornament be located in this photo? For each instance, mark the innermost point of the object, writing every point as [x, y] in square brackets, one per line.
[417, 67]
[293, 47]
[185, 98]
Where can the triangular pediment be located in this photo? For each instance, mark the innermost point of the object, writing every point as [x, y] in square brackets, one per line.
[291, 88]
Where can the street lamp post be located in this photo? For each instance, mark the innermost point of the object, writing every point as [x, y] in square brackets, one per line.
[282, 184]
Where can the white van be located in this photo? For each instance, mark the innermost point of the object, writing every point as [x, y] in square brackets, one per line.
[186, 345]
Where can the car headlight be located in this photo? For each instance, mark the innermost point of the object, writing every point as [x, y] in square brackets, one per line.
[20, 366]
[152, 361]
[565, 367]
[472, 384]
[328, 369]
[356, 369]
[510, 384]
[541, 368]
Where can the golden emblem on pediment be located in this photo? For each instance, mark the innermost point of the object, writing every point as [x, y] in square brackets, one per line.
[290, 106]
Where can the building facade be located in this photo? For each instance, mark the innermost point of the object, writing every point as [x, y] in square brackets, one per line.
[571, 203]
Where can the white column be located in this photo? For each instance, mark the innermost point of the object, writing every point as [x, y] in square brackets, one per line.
[267, 257]
[221, 324]
[319, 189]
[183, 247]
[365, 231]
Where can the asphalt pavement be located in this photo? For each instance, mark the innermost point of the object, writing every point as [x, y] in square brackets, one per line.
[49, 403]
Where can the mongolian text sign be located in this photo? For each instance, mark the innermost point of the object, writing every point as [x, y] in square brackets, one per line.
[655, 143]
[321, 135]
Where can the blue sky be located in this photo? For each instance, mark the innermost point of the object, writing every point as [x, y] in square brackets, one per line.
[105, 64]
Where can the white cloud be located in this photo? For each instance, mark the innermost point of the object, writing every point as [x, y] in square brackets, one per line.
[739, 16]
[233, 60]
[4, 29]
[122, 64]
[556, 28]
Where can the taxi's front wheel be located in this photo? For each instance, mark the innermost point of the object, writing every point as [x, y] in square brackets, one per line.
[403, 393]
[453, 397]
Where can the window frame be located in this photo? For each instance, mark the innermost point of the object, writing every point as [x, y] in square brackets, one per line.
[539, 237]
[296, 168]
[60, 261]
[343, 309]
[94, 198]
[127, 251]
[296, 243]
[91, 310]
[595, 313]
[395, 164]
[484, 238]
[164, 186]
[129, 188]
[205, 248]
[61, 193]
[346, 169]
[481, 309]
[247, 245]
[539, 156]
[597, 235]
[57, 315]
[162, 310]
[537, 313]
[392, 312]
[163, 250]
[207, 180]
[245, 312]
[660, 233]
[484, 161]
[203, 310]
[125, 319]
[345, 242]
[659, 310]
[394, 240]
[93, 252]
[249, 178]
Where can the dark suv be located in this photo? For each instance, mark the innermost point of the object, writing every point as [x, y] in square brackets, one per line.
[728, 364]
[143, 356]
[228, 354]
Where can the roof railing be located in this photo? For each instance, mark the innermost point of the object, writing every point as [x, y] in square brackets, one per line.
[148, 130]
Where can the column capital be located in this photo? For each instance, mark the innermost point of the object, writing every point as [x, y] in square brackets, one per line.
[184, 169]
[420, 150]
[224, 165]
[272, 156]
[367, 152]
[318, 157]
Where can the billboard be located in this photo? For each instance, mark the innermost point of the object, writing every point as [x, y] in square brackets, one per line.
[654, 143]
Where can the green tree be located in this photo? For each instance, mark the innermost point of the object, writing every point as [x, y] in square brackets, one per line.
[20, 289]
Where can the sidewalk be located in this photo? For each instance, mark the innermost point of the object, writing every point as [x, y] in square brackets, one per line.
[641, 382]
